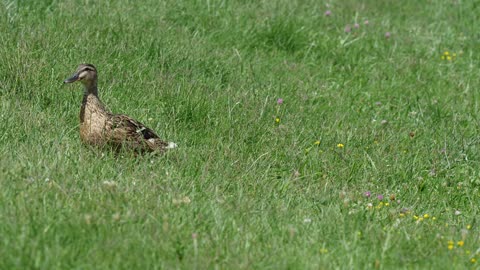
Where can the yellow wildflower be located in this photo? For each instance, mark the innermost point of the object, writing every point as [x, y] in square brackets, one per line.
[317, 143]
[380, 205]
[473, 260]
[415, 217]
[460, 243]
[450, 244]
[401, 214]
[449, 58]
[469, 227]
[426, 216]
[434, 218]
[340, 145]
[446, 53]
[323, 250]
[277, 120]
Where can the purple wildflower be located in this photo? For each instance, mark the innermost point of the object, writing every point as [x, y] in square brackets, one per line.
[280, 101]
[366, 22]
[380, 197]
[356, 25]
[367, 194]
[348, 29]
[328, 13]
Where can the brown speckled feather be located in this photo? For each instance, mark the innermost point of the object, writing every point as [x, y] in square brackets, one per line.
[125, 131]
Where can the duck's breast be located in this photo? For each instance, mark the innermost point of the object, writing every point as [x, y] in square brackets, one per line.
[92, 125]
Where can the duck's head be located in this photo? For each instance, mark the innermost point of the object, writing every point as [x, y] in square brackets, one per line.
[86, 73]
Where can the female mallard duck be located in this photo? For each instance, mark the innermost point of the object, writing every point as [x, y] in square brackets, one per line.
[99, 127]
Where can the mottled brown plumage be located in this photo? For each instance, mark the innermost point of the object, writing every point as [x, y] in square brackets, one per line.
[99, 127]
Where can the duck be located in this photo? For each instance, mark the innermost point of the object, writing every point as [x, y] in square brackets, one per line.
[99, 127]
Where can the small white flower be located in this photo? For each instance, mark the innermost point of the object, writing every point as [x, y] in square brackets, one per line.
[184, 200]
[109, 184]
[307, 220]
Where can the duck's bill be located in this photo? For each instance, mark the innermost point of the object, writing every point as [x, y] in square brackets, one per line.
[72, 79]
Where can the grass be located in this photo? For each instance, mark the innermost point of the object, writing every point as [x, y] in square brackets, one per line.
[243, 190]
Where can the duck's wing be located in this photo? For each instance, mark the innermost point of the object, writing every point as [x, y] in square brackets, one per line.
[127, 131]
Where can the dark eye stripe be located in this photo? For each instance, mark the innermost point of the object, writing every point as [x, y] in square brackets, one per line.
[87, 68]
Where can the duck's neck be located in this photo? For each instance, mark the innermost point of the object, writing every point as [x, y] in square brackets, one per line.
[91, 100]
[90, 88]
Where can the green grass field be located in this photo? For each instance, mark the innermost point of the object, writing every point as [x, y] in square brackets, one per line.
[369, 160]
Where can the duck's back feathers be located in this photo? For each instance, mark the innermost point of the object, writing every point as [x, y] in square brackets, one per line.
[128, 132]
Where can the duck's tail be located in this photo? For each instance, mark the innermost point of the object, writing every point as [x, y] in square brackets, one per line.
[171, 145]
[155, 144]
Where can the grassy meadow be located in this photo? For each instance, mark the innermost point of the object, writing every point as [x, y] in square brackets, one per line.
[312, 135]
